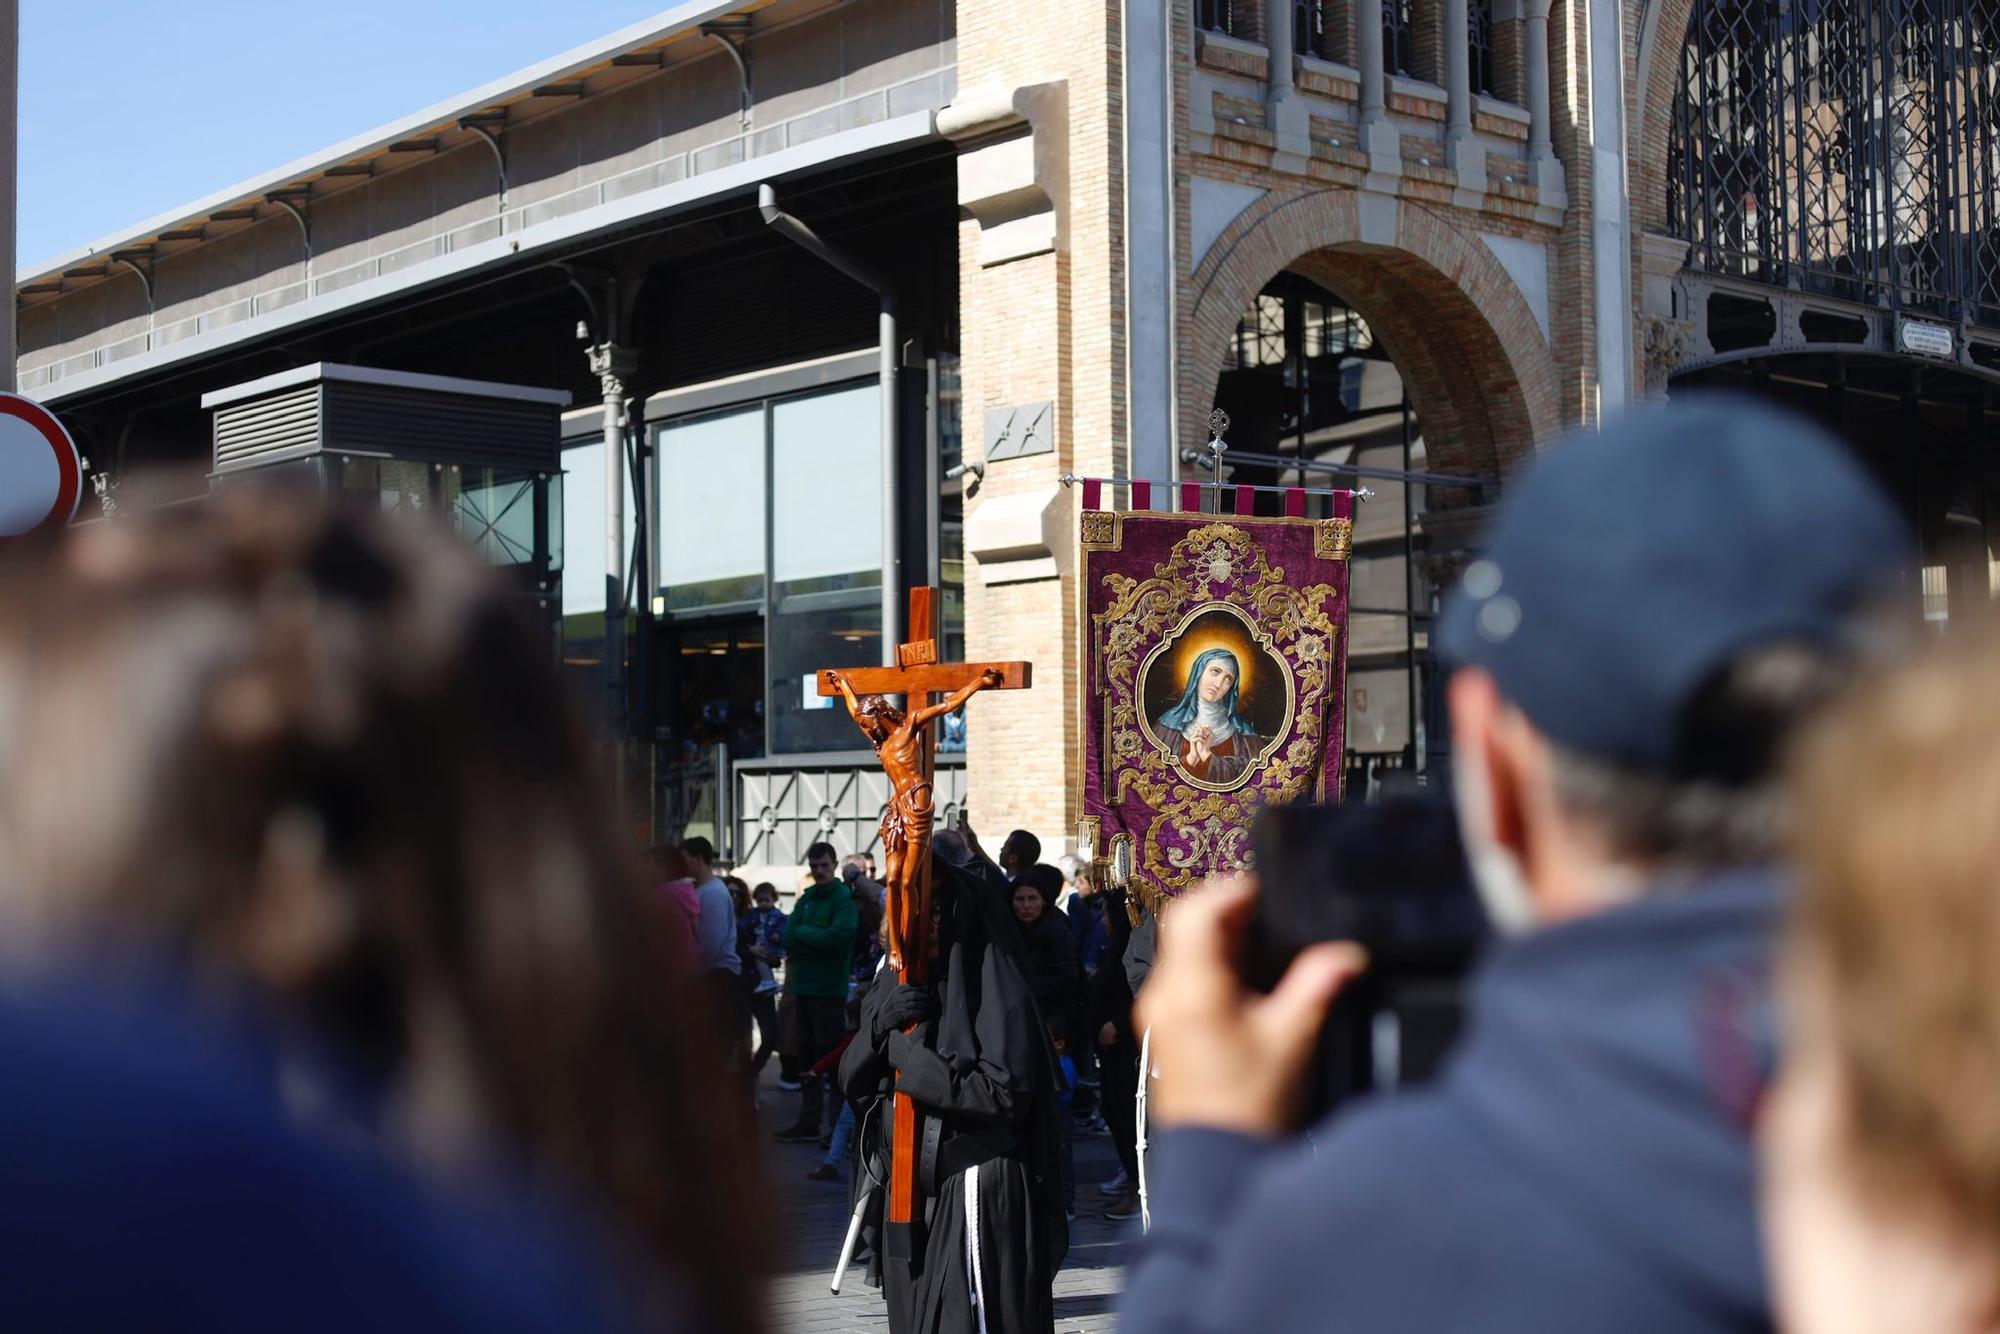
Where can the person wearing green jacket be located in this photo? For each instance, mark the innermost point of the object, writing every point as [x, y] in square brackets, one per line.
[819, 953]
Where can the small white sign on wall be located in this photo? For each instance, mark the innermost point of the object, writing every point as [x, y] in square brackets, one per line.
[1926, 339]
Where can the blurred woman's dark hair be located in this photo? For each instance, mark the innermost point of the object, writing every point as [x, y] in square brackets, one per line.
[739, 893]
[326, 751]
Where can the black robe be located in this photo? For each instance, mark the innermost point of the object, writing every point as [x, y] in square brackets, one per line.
[1055, 973]
[986, 1071]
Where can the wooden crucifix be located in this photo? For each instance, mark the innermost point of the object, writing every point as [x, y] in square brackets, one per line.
[902, 740]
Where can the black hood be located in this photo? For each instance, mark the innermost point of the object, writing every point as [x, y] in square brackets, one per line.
[986, 998]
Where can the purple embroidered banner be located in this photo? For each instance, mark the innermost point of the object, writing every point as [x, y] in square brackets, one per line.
[1214, 661]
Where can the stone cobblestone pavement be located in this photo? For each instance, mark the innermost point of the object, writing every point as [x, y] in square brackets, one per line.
[812, 1220]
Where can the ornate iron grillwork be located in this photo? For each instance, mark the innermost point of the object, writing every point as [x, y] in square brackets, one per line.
[1846, 147]
[1260, 334]
[1479, 40]
[1216, 15]
[1398, 48]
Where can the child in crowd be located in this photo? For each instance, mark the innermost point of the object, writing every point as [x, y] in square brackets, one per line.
[767, 949]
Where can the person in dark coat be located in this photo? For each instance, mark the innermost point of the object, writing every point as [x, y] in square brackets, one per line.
[979, 1064]
[1108, 1024]
[1058, 983]
[1656, 613]
[1054, 971]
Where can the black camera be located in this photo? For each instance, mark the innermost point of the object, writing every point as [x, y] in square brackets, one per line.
[1392, 877]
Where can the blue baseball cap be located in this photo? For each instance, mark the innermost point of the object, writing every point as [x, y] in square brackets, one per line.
[1627, 567]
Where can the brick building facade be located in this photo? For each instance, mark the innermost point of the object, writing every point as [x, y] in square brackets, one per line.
[1401, 241]
[1445, 203]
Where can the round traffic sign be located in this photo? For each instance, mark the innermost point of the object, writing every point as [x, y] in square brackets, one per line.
[41, 475]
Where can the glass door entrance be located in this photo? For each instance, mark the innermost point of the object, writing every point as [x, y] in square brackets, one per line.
[714, 695]
[709, 691]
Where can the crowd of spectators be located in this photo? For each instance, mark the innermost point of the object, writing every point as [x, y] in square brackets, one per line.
[1067, 933]
[332, 995]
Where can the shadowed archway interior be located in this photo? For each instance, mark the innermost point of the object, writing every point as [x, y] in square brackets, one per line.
[1309, 385]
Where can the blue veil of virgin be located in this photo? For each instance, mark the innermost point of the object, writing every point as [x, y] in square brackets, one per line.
[1182, 715]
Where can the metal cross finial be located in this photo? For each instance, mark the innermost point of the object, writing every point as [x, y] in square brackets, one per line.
[1218, 422]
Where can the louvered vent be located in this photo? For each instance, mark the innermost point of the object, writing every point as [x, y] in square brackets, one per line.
[369, 412]
[441, 427]
[263, 431]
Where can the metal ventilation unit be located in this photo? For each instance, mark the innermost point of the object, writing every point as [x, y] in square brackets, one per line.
[485, 457]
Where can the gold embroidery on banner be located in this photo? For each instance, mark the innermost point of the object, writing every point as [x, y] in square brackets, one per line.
[1090, 849]
[1199, 828]
[1114, 792]
[1333, 539]
[1101, 530]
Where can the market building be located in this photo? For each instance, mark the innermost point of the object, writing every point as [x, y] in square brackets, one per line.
[847, 287]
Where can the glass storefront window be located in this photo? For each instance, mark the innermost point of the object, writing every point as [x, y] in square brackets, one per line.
[776, 505]
[826, 558]
[402, 485]
[803, 640]
[511, 516]
[826, 491]
[583, 528]
[495, 510]
[712, 498]
[717, 680]
[583, 569]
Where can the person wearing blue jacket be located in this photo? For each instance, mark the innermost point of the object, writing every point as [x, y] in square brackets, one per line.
[1656, 610]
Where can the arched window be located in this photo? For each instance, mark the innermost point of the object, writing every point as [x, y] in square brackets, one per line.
[1844, 147]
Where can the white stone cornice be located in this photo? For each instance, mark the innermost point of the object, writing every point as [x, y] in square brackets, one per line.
[1013, 166]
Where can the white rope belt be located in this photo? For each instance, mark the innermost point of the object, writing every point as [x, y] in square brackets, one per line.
[1139, 1117]
[974, 1272]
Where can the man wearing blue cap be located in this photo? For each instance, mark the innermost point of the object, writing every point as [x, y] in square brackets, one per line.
[1658, 606]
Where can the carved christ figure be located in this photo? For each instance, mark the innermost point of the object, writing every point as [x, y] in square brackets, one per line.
[898, 739]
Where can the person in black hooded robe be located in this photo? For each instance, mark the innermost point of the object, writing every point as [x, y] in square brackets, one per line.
[981, 1066]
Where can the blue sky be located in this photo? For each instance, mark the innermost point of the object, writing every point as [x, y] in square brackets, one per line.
[129, 108]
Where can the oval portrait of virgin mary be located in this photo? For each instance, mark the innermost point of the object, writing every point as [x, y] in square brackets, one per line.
[1216, 699]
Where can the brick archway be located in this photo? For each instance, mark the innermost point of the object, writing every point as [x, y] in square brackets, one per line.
[1663, 31]
[1468, 347]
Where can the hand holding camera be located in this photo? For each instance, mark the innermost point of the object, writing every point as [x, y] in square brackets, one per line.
[1259, 969]
[1227, 1057]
